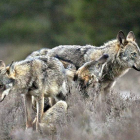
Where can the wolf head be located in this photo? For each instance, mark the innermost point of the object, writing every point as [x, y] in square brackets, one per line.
[91, 72]
[129, 52]
[97, 68]
[5, 81]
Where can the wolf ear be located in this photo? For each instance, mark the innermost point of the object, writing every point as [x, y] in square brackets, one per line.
[10, 68]
[2, 64]
[131, 36]
[121, 37]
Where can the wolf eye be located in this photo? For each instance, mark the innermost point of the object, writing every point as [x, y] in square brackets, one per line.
[134, 54]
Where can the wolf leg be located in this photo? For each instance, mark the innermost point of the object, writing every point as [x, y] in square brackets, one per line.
[28, 110]
[40, 108]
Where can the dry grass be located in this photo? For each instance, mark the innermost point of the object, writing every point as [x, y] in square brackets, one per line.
[117, 118]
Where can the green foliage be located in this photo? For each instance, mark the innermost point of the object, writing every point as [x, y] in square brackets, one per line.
[52, 22]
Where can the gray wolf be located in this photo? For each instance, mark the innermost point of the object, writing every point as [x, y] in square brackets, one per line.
[124, 53]
[90, 74]
[92, 70]
[36, 77]
[5, 81]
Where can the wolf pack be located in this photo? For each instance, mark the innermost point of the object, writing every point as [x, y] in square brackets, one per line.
[45, 76]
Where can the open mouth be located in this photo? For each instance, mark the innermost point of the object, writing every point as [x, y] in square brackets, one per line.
[3, 98]
[136, 68]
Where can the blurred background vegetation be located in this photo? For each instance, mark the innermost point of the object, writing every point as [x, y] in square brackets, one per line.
[28, 25]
